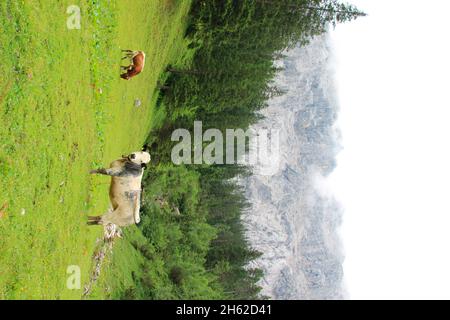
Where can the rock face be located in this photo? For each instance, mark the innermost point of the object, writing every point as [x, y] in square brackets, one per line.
[293, 220]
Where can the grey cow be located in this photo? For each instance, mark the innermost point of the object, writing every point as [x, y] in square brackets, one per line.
[125, 190]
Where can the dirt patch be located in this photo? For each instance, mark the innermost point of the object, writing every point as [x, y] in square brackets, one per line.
[104, 247]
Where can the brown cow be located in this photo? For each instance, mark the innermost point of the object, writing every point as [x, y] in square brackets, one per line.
[137, 62]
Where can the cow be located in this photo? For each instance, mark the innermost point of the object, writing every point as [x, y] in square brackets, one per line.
[125, 190]
[137, 63]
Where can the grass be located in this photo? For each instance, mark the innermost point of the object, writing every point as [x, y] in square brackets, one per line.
[63, 111]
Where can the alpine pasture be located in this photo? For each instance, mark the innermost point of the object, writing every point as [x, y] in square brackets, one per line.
[63, 111]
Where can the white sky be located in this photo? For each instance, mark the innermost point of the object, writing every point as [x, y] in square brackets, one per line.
[393, 175]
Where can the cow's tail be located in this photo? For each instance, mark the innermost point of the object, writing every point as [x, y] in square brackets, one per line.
[137, 208]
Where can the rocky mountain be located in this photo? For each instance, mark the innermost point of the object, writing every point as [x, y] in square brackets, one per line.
[293, 220]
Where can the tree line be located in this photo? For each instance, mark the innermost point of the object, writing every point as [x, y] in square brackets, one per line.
[224, 80]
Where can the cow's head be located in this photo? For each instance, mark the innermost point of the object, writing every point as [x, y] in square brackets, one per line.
[141, 158]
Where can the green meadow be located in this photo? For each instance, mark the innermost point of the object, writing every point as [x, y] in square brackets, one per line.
[63, 111]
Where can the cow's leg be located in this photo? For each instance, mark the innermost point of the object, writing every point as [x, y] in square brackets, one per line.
[93, 223]
[127, 52]
[111, 216]
[94, 220]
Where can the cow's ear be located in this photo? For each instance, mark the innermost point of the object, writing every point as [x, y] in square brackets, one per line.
[144, 165]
